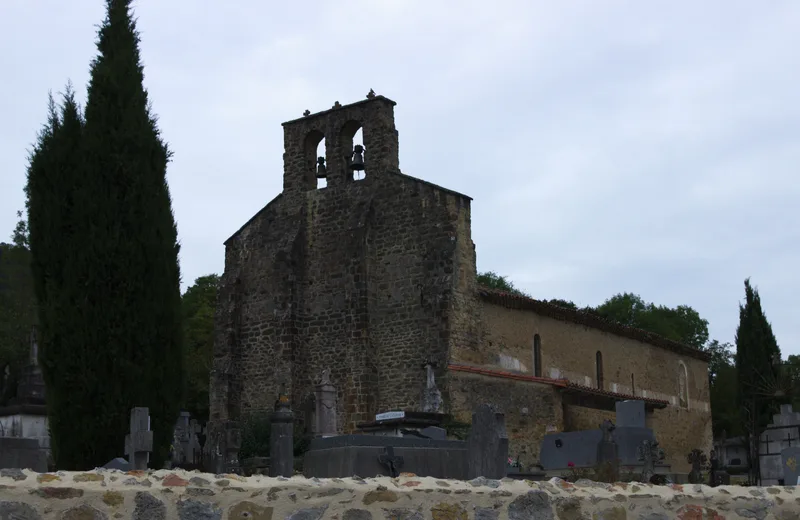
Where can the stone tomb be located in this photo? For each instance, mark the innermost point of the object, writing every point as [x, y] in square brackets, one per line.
[579, 449]
[784, 432]
[412, 442]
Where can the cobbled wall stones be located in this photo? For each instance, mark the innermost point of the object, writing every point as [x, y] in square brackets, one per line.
[164, 495]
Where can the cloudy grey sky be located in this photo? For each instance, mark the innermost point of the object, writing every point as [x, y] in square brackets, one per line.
[609, 146]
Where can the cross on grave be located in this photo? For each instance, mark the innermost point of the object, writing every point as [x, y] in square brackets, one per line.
[649, 453]
[391, 461]
[698, 460]
[139, 442]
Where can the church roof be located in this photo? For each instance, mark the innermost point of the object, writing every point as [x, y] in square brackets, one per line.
[556, 312]
[564, 384]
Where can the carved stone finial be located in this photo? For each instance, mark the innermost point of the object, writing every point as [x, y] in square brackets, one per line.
[371, 94]
[325, 379]
[307, 113]
[337, 105]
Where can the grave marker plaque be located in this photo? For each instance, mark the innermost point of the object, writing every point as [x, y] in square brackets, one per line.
[139, 442]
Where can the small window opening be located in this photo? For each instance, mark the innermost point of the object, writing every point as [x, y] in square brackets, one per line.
[537, 356]
[358, 140]
[321, 168]
[633, 386]
[599, 363]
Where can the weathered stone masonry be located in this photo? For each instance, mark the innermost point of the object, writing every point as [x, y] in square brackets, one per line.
[164, 495]
[371, 278]
[362, 277]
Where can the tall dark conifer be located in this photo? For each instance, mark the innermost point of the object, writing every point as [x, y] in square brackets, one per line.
[756, 353]
[118, 343]
[54, 174]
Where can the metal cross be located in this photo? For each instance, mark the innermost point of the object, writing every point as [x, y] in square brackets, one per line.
[391, 461]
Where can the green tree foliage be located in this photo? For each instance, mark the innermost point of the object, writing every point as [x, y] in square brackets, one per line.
[20, 236]
[53, 177]
[199, 302]
[493, 280]
[17, 313]
[756, 352]
[105, 250]
[682, 323]
[722, 378]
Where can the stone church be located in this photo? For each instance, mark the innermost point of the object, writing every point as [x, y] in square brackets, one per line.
[374, 277]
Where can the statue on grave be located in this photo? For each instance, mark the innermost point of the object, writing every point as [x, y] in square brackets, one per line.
[607, 427]
[325, 407]
[431, 396]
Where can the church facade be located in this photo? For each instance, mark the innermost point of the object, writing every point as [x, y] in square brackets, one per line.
[375, 278]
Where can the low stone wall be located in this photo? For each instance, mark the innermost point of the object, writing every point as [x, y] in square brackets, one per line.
[161, 495]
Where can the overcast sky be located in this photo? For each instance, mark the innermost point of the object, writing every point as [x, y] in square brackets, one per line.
[650, 147]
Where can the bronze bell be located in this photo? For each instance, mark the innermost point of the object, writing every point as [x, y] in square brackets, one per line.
[322, 172]
[357, 163]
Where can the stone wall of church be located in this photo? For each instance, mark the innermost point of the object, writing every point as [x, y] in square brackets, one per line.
[361, 281]
[569, 350]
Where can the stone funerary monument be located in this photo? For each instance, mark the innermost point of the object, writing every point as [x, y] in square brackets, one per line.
[374, 279]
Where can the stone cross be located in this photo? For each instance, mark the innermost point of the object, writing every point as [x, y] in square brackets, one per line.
[391, 461]
[607, 451]
[698, 460]
[487, 446]
[139, 442]
[649, 453]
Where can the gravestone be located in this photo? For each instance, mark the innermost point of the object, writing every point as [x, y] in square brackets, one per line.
[791, 465]
[180, 439]
[139, 442]
[194, 449]
[431, 396]
[118, 463]
[716, 475]
[650, 454]
[487, 446]
[281, 441]
[698, 460]
[325, 407]
[233, 443]
[607, 452]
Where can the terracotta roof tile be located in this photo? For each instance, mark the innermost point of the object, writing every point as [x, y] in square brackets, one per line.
[616, 395]
[516, 301]
[560, 383]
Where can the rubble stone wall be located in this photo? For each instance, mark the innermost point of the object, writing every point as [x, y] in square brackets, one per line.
[165, 495]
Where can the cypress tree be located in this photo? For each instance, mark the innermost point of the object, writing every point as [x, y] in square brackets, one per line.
[756, 350]
[54, 173]
[117, 340]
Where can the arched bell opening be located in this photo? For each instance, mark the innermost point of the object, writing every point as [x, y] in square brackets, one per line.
[314, 155]
[352, 144]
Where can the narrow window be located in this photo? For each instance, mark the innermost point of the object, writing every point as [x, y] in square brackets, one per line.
[537, 356]
[633, 386]
[599, 363]
[683, 386]
[321, 166]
